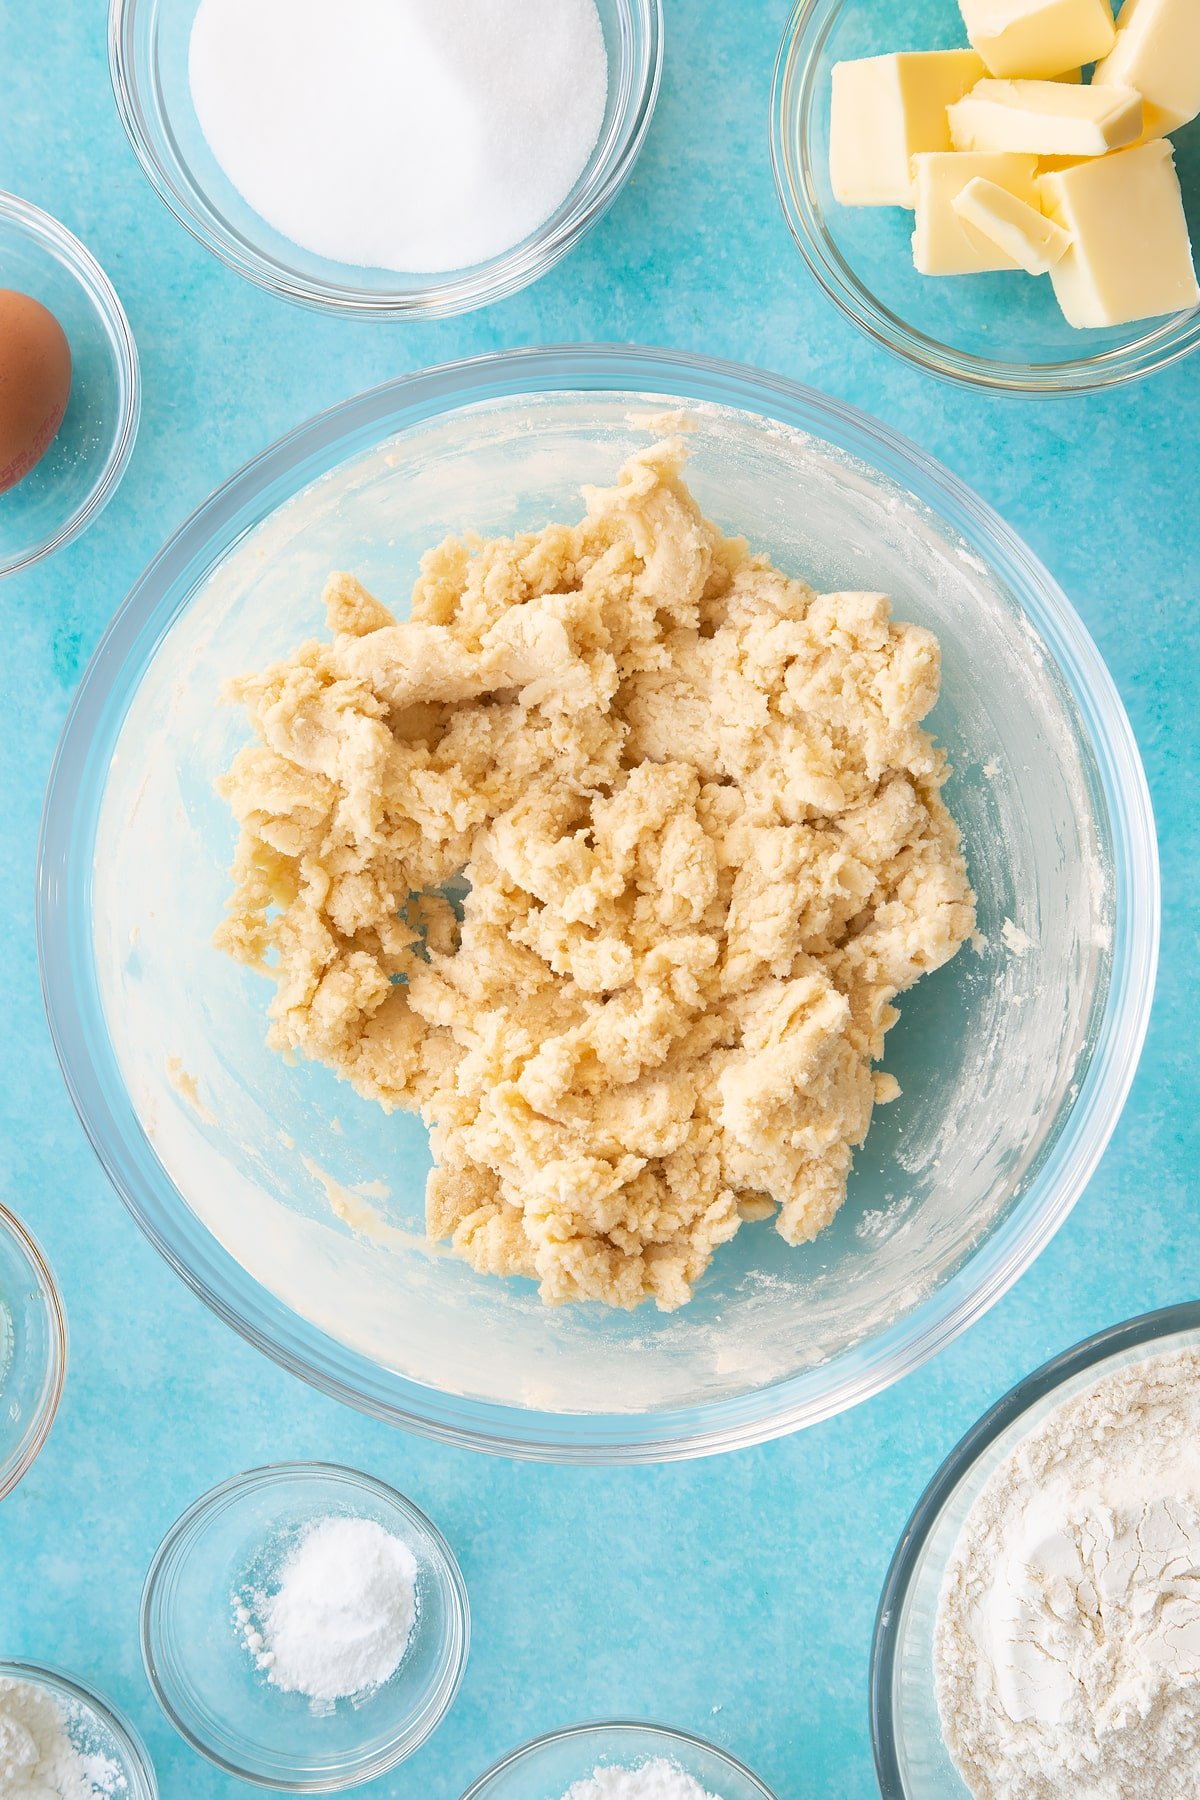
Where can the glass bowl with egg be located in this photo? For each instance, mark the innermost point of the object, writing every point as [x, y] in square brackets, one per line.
[1002, 331]
[559, 1765]
[33, 1350]
[911, 1757]
[295, 1208]
[149, 59]
[79, 470]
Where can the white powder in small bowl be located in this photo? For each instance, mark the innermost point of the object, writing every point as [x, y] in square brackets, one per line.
[654, 1780]
[42, 1753]
[341, 1616]
[415, 135]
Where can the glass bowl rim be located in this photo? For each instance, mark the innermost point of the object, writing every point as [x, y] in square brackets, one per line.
[448, 295]
[44, 228]
[804, 35]
[586, 1728]
[456, 1644]
[1021, 1398]
[34, 1440]
[126, 1734]
[985, 1273]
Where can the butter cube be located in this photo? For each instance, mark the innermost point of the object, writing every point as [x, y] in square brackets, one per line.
[1033, 241]
[886, 109]
[1130, 257]
[1039, 37]
[946, 244]
[1046, 118]
[1158, 52]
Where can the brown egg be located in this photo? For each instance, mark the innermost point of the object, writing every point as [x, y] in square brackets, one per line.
[35, 383]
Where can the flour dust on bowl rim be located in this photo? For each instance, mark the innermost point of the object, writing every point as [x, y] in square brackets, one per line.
[911, 1758]
[33, 1350]
[548, 1767]
[148, 50]
[295, 1208]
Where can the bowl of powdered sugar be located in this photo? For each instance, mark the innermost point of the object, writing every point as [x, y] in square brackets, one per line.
[618, 1761]
[305, 1626]
[1039, 1636]
[387, 156]
[60, 1741]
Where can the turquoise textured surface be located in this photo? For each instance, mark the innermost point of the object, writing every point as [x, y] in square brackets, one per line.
[732, 1597]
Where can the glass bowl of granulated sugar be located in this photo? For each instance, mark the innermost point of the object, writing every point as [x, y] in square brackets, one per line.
[1039, 1631]
[389, 158]
[305, 1627]
[618, 1761]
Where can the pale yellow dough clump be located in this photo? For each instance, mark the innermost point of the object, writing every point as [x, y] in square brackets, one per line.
[693, 826]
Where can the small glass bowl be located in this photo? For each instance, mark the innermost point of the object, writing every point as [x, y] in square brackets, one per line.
[80, 471]
[204, 1677]
[547, 1767]
[911, 1759]
[33, 1351]
[148, 58]
[94, 1726]
[1003, 331]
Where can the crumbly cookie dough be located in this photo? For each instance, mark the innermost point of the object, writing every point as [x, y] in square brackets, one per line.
[611, 861]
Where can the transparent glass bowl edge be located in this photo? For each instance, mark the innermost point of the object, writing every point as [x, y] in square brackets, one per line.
[34, 1441]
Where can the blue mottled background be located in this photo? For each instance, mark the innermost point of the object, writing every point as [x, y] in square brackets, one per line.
[735, 1596]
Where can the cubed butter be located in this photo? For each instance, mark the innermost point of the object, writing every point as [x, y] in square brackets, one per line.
[1129, 257]
[1032, 240]
[1158, 52]
[887, 109]
[1046, 118]
[945, 243]
[1039, 37]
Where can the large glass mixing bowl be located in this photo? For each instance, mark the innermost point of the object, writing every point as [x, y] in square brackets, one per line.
[295, 1208]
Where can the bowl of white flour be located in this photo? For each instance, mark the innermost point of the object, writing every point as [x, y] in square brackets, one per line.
[1039, 1634]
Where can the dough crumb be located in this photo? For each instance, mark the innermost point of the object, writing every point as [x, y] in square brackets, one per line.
[611, 861]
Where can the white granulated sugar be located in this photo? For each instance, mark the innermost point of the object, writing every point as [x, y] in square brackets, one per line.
[1067, 1644]
[414, 135]
[39, 1758]
[339, 1619]
[654, 1780]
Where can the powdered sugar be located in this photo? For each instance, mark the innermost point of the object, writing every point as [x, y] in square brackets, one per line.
[654, 1780]
[1067, 1648]
[417, 135]
[339, 1619]
[44, 1754]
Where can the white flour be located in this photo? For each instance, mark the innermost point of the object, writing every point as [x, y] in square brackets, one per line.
[1067, 1645]
[655, 1780]
[39, 1760]
[418, 135]
[339, 1621]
